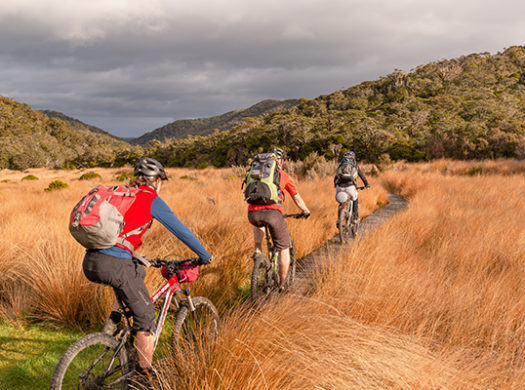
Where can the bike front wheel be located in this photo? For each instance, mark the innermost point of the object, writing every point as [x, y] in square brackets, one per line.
[290, 278]
[354, 227]
[198, 327]
[342, 222]
[92, 362]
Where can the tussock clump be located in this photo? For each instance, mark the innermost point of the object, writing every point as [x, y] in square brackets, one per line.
[90, 176]
[30, 177]
[124, 176]
[299, 343]
[56, 185]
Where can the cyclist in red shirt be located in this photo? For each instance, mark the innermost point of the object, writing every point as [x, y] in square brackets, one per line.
[272, 215]
[116, 266]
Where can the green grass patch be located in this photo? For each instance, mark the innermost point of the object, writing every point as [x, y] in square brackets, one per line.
[30, 177]
[56, 185]
[125, 176]
[475, 170]
[28, 355]
[90, 176]
[232, 177]
[189, 177]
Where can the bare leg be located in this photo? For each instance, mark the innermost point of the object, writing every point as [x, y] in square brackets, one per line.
[258, 235]
[145, 342]
[115, 306]
[284, 264]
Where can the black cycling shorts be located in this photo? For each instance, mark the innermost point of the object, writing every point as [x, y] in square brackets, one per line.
[127, 279]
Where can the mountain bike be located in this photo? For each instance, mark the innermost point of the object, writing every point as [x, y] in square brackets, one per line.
[265, 273]
[100, 361]
[345, 223]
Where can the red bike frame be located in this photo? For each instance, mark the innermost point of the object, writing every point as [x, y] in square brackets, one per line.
[170, 288]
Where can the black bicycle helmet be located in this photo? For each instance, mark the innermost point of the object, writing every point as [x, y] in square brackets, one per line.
[278, 152]
[149, 168]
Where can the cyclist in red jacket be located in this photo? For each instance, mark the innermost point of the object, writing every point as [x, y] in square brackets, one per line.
[272, 215]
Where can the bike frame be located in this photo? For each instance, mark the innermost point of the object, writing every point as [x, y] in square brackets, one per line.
[125, 337]
[348, 207]
[349, 210]
[171, 287]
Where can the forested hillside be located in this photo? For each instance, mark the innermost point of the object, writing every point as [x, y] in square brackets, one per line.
[76, 124]
[29, 138]
[471, 107]
[205, 126]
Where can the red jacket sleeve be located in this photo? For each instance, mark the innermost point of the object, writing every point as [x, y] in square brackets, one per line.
[288, 184]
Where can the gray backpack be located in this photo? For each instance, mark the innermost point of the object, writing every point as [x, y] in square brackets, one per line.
[347, 171]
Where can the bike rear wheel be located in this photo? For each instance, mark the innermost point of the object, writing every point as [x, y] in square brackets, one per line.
[259, 278]
[92, 363]
[196, 328]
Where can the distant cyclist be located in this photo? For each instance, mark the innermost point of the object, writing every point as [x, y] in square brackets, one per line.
[272, 215]
[345, 182]
[117, 266]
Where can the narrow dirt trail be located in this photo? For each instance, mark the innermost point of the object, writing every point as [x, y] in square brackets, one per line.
[305, 267]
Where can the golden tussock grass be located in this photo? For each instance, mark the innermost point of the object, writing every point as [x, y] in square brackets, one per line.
[431, 299]
[40, 263]
[299, 343]
[449, 270]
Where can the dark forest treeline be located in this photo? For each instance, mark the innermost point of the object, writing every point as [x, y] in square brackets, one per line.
[471, 107]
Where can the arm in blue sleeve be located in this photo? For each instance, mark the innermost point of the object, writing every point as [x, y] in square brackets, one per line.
[162, 213]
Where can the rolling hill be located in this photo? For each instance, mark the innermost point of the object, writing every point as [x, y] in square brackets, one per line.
[205, 126]
[78, 125]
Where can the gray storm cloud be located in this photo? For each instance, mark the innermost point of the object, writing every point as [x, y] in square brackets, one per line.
[130, 66]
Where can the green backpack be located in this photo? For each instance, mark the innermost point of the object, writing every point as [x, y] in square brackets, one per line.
[262, 181]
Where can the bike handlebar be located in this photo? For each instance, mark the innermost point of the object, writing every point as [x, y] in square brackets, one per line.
[194, 262]
[297, 216]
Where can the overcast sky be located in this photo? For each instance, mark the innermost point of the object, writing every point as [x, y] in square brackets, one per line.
[131, 66]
